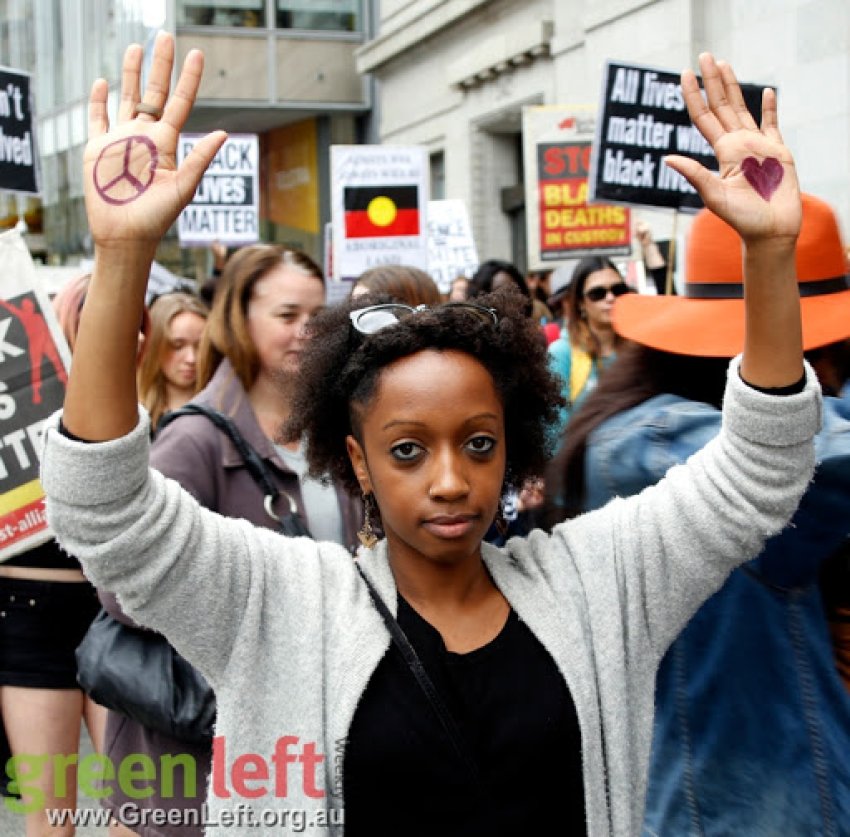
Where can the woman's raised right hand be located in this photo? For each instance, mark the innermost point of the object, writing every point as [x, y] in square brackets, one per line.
[134, 189]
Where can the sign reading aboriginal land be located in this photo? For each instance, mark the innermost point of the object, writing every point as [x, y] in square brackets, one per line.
[226, 206]
[561, 223]
[33, 363]
[379, 207]
[642, 119]
[19, 162]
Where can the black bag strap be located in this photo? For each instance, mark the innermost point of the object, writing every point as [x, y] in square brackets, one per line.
[408, 653]
[257, 468]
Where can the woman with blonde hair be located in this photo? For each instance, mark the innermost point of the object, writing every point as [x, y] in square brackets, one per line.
[168, 372]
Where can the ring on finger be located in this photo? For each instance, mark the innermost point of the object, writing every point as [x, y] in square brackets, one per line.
[150, 110]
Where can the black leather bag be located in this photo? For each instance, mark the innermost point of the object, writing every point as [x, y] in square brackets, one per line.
[139, 674]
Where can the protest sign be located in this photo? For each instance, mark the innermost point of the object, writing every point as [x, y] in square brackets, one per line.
[451, 247]
[33, 363]
[642, 118]
[379, 206]
[226, 206]
[19, 165]
[561, 224]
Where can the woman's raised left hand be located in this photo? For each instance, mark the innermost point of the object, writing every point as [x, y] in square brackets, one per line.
[756, 191]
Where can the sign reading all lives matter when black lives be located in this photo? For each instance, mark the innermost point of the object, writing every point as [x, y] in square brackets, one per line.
[19, 163]
[33, 363]
[642, 119]
[226, 206]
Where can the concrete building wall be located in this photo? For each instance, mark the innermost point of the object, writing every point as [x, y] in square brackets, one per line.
[453, 75]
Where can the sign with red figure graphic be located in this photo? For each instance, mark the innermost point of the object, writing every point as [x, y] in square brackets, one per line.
[379, 207]
[33, 363]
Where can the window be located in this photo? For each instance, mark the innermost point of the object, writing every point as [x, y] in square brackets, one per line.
[438, 175]
[249, 13]
[325, 15]
[321, 15]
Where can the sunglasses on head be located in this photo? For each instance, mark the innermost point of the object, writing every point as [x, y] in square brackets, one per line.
[599, 293]
[375, 317]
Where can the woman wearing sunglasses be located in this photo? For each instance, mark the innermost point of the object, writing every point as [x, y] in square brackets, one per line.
[588, 343]
[437, 685]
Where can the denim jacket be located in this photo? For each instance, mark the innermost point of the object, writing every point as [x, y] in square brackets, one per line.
[752, 726]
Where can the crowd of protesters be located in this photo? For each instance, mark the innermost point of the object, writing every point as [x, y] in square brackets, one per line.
[509, 561]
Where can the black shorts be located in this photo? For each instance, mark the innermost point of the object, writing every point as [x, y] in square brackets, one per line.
[41, 625]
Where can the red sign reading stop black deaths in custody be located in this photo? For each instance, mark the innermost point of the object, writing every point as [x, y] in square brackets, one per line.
[569, 226]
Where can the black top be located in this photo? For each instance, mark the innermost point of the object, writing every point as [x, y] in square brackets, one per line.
[44, 556]
[516, 716]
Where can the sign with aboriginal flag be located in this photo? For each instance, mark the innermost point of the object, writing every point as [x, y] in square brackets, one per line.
[561, 223]
[379, 207]
[381, 211]
[33, 363]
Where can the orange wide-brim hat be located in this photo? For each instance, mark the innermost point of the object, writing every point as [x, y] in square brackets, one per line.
[708, 321]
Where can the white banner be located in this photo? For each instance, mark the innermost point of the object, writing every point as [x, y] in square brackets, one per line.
[451, 247]
[379, 206]
[226, 207]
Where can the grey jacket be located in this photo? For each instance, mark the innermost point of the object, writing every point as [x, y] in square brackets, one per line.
[205, 462]
[286, 633]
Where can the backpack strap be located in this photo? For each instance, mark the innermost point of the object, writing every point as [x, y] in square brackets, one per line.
[257, 468]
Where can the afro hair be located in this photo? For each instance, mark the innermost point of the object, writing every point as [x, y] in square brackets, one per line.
[341, 368]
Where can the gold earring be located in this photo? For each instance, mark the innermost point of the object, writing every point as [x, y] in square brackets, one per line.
[366, 535]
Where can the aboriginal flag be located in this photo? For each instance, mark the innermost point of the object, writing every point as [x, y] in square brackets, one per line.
[378, 211]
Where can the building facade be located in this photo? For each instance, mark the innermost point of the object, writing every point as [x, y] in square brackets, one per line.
[283, 69]
[454, 75]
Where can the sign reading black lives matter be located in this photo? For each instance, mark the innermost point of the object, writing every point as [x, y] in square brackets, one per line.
[642, 119]
[226, 206]
[18, 152]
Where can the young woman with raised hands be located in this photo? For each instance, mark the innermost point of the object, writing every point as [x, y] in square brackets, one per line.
[526, 706]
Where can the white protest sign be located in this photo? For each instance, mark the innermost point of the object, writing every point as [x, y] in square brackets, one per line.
[560, 223]
[451, 247]
[226, 206]
[379, 205]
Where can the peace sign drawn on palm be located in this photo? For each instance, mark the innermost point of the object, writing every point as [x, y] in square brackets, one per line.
[134, 189]
[756, 190]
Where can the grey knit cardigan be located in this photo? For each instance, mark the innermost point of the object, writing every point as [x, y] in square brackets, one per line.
[286, 632]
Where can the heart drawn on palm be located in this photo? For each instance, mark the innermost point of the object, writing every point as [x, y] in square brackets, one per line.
[764, 177]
